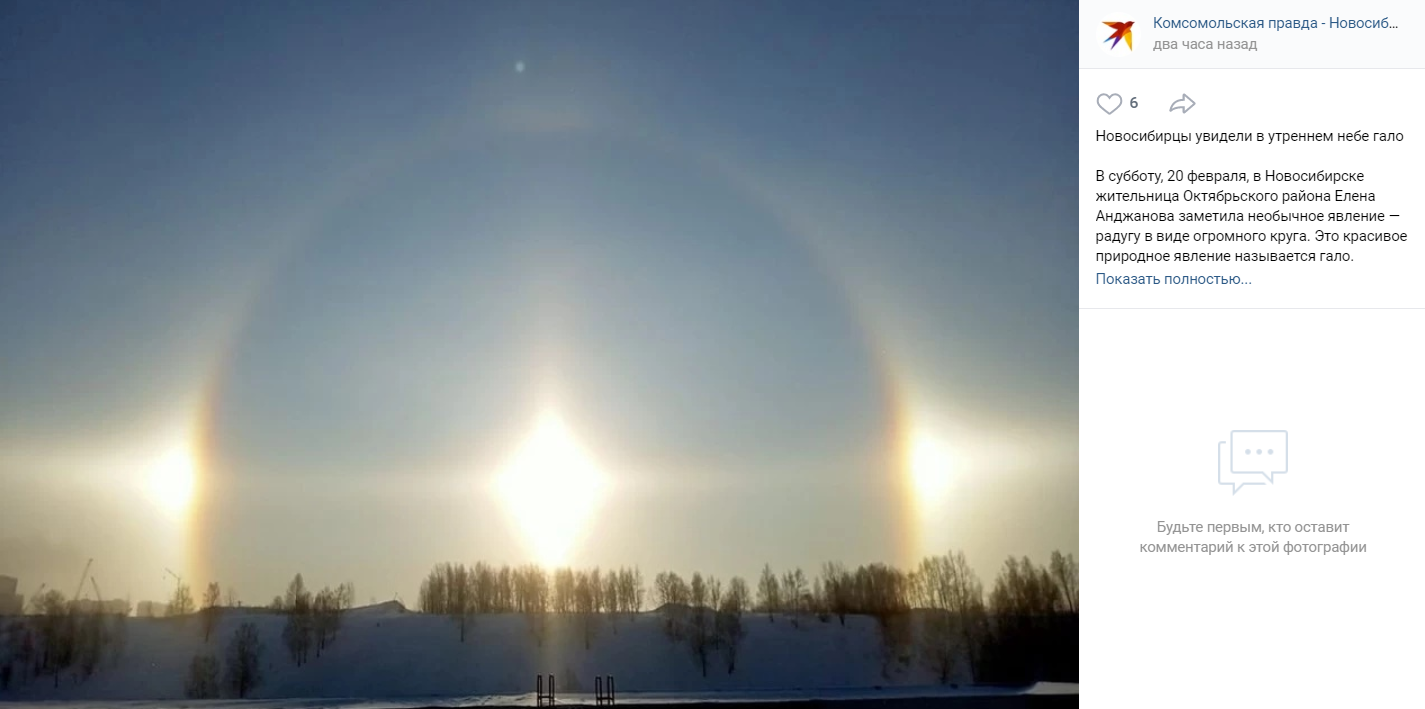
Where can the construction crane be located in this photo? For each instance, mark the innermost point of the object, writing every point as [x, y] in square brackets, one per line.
[80, 588]
[97, 595]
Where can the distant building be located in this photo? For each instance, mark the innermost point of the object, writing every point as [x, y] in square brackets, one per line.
[117, 606]
[151, 609]
[11, 603]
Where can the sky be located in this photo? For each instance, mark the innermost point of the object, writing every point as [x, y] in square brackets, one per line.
[352, 288]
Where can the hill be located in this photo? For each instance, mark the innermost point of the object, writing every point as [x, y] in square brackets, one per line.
[385, 651]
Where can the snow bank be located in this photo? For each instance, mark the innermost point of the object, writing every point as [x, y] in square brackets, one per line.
[384, 651]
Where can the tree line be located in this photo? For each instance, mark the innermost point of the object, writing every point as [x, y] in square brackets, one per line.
[1025, 628]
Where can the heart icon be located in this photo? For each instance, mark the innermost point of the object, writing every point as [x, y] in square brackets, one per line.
[1109, 102]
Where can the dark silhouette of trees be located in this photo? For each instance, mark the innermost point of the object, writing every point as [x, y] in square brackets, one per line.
[202, 681]
[564, 591]
[452, 590]
[730, 629]
[1034, 634]
[244, 660]
[1025, 629]
[210, 610]
[326, 617]
[345, 596]
[795, 594]
[769, 593]
[182, 601]
[297, 633]
[836, 587]
[674, 598]
[1065, 570]
[586, 604]
[701, 639]
[954, 624]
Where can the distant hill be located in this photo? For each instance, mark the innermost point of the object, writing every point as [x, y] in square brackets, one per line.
[386, 651]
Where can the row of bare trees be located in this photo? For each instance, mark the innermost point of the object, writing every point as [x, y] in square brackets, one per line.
[483, 588]
[462, 592]
[243, 661]
[59, 635]
[313, 619]
[704, 614]
[1024, 628]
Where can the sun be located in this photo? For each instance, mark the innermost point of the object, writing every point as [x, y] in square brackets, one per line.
[551, 488]
[931, 466]
[170, 481]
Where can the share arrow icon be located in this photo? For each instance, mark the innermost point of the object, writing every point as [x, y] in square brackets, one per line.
[1183, 104]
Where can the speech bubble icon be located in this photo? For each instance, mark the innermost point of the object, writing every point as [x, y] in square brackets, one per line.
[1225, 475]
[1261, 453]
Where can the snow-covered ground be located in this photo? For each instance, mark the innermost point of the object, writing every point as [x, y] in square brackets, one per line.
[410, 659]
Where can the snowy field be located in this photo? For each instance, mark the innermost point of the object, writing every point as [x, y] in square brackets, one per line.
[1041, 695]
[416, 660]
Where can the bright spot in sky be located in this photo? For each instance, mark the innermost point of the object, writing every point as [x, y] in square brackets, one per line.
[519, 67]
[551, 488]
[930, 469]
[170, 481]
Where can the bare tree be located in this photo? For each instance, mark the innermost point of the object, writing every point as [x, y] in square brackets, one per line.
[563, 591]
[637, 589]
[698, 590]
[230, 597]
[1065, 570]
[700, 636]
[326, 617]
[532, 586]
[614, 603]
[714, 592]
[836, 589]
[730, 629]
[210, 615]
[297, 633]
[296, 590]
[596, 589]
[1029, 636]
[769, 592]
[244, 661]
[505, 590]
[795, 594]
[586, 604]
[434, 594]
[346, 595]
[674, 597]
[182, 601]
[202, 682]
[460, 596]
[954, 597]
[56, 634]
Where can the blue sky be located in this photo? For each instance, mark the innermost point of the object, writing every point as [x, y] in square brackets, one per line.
[373, 242]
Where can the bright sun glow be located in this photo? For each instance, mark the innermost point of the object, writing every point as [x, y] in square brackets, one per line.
[930, 469]
[552, 489]
[170, 482]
